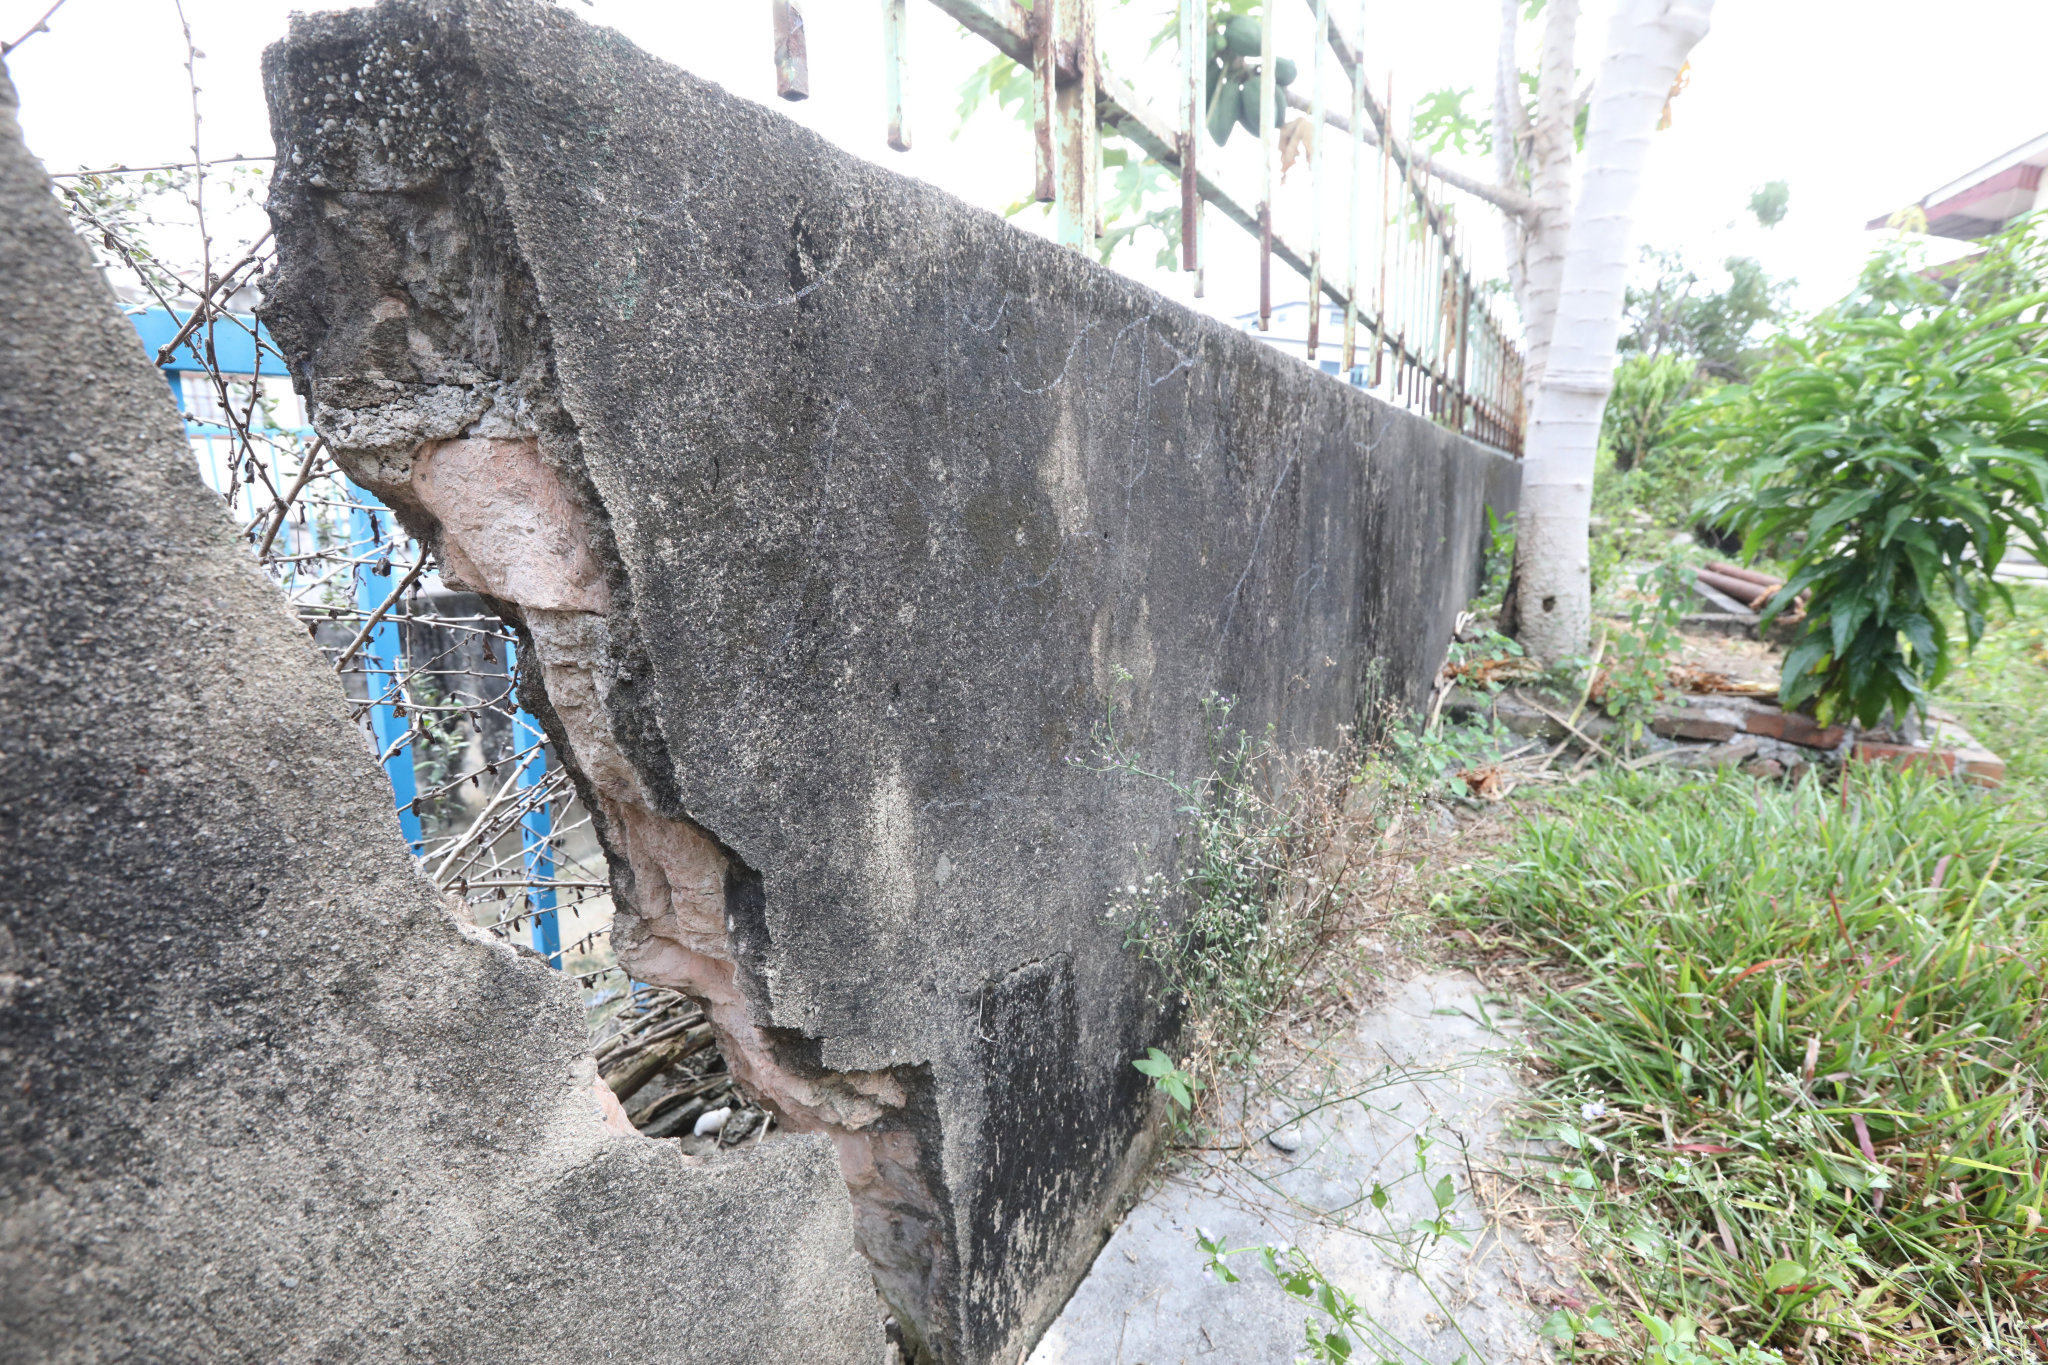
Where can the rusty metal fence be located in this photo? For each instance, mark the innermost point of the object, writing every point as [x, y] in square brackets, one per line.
[1416, 328]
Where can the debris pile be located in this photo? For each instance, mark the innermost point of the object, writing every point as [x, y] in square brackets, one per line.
[1733, 600]
[659, 1059]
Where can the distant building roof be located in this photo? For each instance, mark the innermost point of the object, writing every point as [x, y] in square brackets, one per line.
[1988, 198]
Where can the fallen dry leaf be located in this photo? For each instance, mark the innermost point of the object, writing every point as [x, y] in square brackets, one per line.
[1484, 783]
[1692, 678]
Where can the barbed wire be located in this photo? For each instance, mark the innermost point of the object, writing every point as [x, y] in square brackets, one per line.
[491, 814]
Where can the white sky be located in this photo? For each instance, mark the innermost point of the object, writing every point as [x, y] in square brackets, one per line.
[1862, 105]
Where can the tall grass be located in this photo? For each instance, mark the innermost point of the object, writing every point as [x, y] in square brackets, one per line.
[2001, 689]
[1795, 1050]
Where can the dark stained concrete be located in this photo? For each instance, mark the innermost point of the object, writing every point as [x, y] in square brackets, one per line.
[843, 521]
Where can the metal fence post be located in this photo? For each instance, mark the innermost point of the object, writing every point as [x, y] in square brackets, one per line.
[1315, 180]
[1079, 148]
[896, 69]
[382, 659]
[1265, 125]
[792, 57]
[536, 826]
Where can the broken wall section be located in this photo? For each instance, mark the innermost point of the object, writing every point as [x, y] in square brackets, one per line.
[844, 522]
[265, 1098]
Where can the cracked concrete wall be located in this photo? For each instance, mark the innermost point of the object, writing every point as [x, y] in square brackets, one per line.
[839, 518]
[263, 1096]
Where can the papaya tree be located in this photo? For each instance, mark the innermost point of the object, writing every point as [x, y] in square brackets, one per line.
[1568, 265]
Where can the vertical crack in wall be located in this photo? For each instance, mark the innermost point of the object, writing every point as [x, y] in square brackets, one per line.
[508, 528]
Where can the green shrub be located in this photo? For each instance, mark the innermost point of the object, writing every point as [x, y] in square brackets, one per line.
[1890, 456]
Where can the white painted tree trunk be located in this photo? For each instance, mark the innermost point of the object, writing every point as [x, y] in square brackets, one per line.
[1647, 45]
[1547, 237]
[1511, 143]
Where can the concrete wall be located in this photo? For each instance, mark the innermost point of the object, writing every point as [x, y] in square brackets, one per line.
[839, 517]
[261, 1098]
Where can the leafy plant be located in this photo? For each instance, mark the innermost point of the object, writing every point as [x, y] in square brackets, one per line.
[1338, 1326]
[1771, 202]
[1679, 1341]
[1176, 1084]
[1892, 456]
[1633, 681]
[2001, 690]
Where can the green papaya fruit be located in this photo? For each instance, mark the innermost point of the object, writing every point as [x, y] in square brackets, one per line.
[1241, 35]
[1283, 71]
[1222, 111]
[1248, 105]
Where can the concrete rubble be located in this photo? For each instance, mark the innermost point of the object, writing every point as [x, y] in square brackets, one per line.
[265, 1098]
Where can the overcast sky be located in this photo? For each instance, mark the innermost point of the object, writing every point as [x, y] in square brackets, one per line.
[1860, 106]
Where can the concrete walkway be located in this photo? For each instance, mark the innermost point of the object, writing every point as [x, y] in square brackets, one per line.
[1426, 1068]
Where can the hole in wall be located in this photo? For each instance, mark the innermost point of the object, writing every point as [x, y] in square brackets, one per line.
[662, 1062]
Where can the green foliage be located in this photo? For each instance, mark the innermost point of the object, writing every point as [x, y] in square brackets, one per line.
[1794, 1052]
[1177, 1085]
[123, 216]
[1442, 124]
[1771, 202]
[1499, 564]
[1717, 330]
[998, 79]
[2001, 690]
[1131, 182]
[1648, 391]
[1679, 1341]
[1338, 1327]
[1639, 657]
[1891, 456]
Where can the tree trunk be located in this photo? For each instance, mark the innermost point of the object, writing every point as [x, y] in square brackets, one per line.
[1550, 185]
[1647, 44]
[1511, 143]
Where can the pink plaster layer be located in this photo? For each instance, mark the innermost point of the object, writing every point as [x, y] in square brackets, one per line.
[509, 528]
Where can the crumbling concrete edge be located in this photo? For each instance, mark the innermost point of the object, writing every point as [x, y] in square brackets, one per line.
[486, 470]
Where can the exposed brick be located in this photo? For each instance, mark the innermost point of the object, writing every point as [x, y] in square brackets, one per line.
[1769, 724]
[1693, 727]
[1800, 730]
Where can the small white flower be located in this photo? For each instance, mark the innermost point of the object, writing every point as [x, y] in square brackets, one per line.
[1595, 1110]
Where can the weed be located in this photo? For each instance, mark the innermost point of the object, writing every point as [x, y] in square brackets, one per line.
[1796, 1056]
[1639, 657]
[1172, 1082]
[1232, 931]
[1338, 1325]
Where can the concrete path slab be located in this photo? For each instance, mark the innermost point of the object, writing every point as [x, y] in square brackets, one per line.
[1415, 1091]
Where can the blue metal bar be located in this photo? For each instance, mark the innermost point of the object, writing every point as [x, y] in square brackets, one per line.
[382, 658]
[536, 828]
[235, 349]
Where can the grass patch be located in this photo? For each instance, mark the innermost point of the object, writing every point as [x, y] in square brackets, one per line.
[2000, 690]
[1794, 1051]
